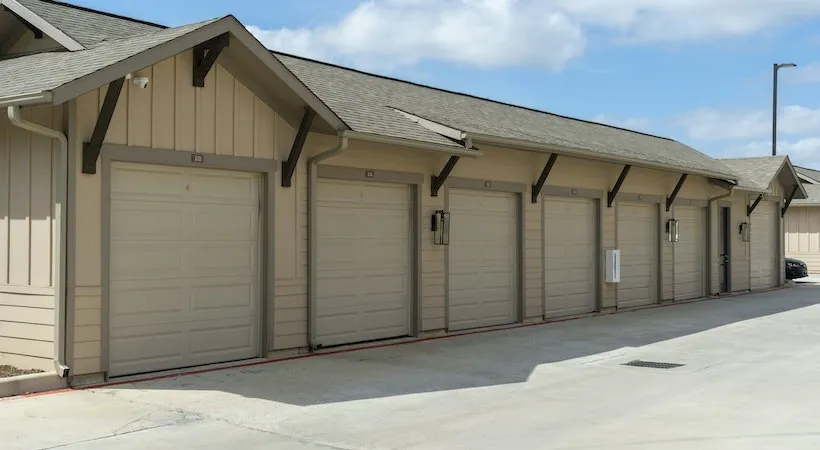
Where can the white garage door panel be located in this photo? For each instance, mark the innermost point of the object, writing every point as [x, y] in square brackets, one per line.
[638, 241]
[184, 265]
[482, 259]
[570, 227]
[364, 263]
[764, 246]
[690, 253]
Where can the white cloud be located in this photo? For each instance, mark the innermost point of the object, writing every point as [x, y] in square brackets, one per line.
[803, 152]
[632, 123]
[686, 20]
[522, 33]
[483, 33]
[722, 125]
[809, 73]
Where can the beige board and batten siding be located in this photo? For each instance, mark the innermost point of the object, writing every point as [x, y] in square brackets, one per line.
[223, 118]
[802, 224]
[27, 229]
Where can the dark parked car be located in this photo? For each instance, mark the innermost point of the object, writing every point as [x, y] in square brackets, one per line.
[796, 269]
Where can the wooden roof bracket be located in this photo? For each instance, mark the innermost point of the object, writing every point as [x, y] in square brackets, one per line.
[91, 149]
[539, 185]
[289, 166]
[613, 194]
[671, 199]
[205, 55]
[438, 180]
[751, 209]
[789, 200]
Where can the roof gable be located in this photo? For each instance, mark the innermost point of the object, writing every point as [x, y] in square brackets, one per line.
[55, 77]
[758, 174]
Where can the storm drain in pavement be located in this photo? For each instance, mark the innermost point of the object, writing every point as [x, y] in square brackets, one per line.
[653, 364]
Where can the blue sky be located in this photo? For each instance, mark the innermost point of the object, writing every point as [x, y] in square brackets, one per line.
[695, 70]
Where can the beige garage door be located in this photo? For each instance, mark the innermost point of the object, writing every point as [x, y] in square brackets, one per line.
[363, 262]
[482, 259]
[638, 241]
[690, 253]
[571, 242]
[184, 267]
[764, 246]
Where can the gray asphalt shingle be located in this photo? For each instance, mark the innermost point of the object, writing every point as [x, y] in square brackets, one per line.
[811, 173]
[756, 173]
[86, 26]
[814, 195]
[46, 71]
[365, 103]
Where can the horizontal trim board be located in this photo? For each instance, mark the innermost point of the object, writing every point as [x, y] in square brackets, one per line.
[557, 191]
[641, 198]
[486, 185]
[359, 174]
[25, 290]
[125, 153]
[691, 202]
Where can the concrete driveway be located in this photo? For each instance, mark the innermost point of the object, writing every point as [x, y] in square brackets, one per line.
[750, 380]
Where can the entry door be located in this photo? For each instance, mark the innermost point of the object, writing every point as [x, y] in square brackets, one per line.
[638, 241]
[571, 249]
[482, 259]
[184, 267]
[363, 262]
[764, 246]
[724, 233]
[690, 253]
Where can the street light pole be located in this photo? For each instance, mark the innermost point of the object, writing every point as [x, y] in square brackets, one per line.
[777, 68]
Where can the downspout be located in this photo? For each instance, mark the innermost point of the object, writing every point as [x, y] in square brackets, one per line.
[312, 179]
[59, 239]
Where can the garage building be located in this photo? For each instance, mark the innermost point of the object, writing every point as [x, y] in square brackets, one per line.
[224, 202]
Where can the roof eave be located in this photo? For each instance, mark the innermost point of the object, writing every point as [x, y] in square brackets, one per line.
[801, 193]
[34, 98]
[586, 154]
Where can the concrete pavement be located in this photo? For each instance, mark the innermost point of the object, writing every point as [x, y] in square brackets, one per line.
[750, 380]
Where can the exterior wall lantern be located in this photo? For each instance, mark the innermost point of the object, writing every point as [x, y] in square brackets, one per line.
[745, 232]
[673, 230]
[441, 228]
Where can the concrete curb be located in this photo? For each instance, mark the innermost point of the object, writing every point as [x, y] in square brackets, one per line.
[31, 384]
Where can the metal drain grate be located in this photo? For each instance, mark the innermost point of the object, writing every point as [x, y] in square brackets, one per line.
[653, 364]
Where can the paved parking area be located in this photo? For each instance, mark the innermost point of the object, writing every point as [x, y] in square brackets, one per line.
[750, 380]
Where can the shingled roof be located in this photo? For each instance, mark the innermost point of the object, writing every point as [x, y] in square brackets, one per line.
[87, 26]
[369, 103]
[46, 71]
[809, 173]
[758, 174]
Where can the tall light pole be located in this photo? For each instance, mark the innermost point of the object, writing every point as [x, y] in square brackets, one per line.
[777, 68]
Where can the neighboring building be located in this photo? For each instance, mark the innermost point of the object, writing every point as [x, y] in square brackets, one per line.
[225, 202]
[767, 188]
[803, 223]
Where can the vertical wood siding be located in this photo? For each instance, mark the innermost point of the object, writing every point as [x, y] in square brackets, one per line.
[802, 236]
[26, 232]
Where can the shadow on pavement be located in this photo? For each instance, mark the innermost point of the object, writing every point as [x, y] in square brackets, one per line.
[482, 360]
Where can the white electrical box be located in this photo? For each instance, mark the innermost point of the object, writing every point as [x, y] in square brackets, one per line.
[613, 266]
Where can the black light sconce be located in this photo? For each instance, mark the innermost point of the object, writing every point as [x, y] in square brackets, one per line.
[441, 228]
[673, 230]
[745, 232]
